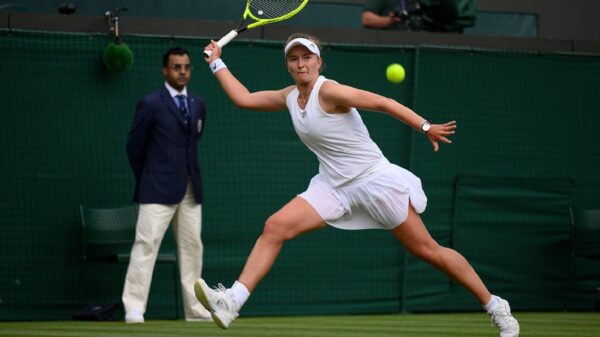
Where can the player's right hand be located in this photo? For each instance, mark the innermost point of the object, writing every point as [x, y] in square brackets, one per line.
[214, 48]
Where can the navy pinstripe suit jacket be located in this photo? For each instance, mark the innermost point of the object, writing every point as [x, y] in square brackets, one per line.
[163, 151]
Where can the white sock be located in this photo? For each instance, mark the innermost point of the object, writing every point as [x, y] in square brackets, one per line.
[492, 303]
[240, 293]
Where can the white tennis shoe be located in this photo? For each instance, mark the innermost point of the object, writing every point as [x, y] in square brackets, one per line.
[503, 319]
[218, 301]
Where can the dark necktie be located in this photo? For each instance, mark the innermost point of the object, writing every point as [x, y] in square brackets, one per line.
[183, 110]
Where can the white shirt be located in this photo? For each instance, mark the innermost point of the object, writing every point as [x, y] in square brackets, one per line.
[174, 92]
[341, 142]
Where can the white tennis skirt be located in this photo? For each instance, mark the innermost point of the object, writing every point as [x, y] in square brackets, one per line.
[378, 201]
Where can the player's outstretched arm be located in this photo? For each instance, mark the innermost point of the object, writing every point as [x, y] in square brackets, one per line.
[268, 100]
[341, 97]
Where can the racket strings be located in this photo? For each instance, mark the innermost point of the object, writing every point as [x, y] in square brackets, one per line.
[271, 9]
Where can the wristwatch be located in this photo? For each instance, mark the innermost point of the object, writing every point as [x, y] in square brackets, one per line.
[425, 126]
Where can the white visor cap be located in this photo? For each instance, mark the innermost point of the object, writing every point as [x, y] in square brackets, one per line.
[311, 46]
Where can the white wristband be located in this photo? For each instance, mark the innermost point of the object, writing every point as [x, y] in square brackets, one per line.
[217, 65]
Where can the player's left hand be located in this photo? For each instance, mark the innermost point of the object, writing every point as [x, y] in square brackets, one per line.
[440, 133]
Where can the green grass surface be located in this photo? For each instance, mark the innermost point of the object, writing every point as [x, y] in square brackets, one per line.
[417, 325]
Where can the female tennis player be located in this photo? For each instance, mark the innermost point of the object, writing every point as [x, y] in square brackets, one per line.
[356, 187]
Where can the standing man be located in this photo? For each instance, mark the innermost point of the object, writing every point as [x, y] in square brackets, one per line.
[162, 149]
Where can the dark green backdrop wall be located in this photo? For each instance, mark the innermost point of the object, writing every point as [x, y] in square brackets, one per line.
[526, 153]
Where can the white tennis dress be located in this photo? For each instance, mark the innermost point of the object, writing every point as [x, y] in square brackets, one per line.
[357, 187]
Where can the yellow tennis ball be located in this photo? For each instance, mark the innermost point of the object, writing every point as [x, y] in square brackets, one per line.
[395, 73]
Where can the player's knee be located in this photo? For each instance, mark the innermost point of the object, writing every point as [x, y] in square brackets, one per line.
[277, 228]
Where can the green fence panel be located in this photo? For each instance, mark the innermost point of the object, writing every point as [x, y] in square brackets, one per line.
[516, 233]
[65, 119]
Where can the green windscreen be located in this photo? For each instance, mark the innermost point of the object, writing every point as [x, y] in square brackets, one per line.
[525, 153]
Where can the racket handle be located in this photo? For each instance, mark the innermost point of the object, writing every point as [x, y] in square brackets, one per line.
[223, 41]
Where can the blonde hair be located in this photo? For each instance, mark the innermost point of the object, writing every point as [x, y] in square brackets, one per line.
[309, 37]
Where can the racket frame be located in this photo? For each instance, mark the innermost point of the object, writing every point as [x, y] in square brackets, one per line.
[257, 23]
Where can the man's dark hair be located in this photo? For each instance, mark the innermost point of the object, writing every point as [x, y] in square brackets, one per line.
[174, 51]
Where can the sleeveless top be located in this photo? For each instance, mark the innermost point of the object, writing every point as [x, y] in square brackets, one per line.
[341, 142]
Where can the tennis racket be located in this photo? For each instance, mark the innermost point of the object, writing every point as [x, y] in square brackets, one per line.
[262, 12]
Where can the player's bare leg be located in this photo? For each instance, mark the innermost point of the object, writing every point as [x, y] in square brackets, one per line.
[295, 218]
[417, 240]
